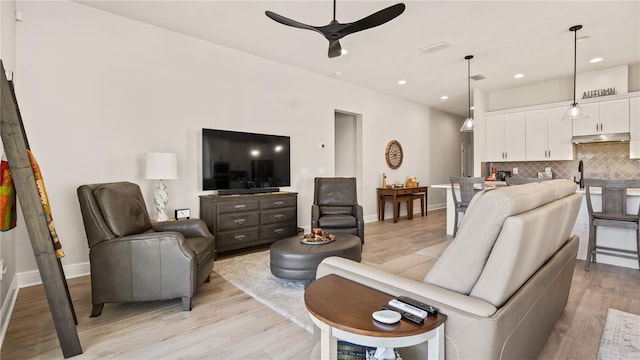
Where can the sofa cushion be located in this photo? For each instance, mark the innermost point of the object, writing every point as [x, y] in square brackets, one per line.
[337, 221]
[525, 243]
[462, 262]
[123, 208]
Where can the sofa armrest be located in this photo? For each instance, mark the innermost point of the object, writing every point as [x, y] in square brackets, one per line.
[188, 228]
[396, 285]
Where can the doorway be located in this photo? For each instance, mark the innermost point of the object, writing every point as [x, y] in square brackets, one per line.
[348, 148]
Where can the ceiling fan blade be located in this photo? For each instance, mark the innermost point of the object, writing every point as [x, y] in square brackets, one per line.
[375, 19]
[286, 21]
[335, 49]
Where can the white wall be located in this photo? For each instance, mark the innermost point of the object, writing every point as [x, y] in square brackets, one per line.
[554, 90]
[346, 141]
[97, 91]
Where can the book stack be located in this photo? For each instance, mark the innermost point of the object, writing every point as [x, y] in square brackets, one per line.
[349, 351]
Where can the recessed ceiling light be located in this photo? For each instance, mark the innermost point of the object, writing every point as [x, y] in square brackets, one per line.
[402, 82]
[444, 97]
[344, 52]
[518, 76]
[337, 73]
[596, 60]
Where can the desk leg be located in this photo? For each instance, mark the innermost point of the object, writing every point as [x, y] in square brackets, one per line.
[436, 344]
[410, 209]
[396, 209]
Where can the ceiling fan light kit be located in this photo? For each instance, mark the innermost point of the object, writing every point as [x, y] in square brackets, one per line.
[468, 123]
[575, 112]
[335, 30]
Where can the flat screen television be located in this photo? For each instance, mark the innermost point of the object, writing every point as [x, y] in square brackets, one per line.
[240, 162]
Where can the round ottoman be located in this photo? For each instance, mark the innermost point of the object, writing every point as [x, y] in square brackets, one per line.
[291, 259]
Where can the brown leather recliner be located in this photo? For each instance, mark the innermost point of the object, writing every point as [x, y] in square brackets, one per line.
[335, 206]
[133, 259]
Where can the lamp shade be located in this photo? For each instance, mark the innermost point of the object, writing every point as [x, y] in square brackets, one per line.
[467, 126]
[161, 166]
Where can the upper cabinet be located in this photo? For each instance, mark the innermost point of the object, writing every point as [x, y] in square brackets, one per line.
[506, 137]
[605, 117]
[547, 136]
[634, 127]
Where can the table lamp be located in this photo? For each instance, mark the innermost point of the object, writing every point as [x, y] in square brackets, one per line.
[161, 166]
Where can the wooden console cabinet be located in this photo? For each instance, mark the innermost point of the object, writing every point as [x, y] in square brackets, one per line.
[240, 221]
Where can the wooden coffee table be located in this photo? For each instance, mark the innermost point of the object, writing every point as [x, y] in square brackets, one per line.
[342, 309]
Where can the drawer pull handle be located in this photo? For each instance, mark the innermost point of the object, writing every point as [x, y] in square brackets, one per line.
[278, 231]
[240, 237]
[239, 221]
[240, 206]
[278, 216]
[278, 203]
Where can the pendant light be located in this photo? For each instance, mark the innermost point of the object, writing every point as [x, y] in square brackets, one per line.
[468, 123]
[575, 111]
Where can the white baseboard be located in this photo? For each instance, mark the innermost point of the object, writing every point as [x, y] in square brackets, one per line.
[30, 278]
[7, 308]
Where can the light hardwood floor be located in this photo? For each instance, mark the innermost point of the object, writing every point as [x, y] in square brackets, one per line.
[225, 323]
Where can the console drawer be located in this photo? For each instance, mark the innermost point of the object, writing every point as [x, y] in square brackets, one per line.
[236, 221]
[281, 202]
[236, 206]
[278, 231]
[277, 216]
[237, 239]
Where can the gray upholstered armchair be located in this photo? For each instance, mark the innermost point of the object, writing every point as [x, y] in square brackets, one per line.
[135, 260]
[335, 207]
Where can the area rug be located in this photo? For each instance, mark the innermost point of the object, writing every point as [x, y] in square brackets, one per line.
[620, 337]
[251, 274]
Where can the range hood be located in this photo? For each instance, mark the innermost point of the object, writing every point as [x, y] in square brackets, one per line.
[596, 138]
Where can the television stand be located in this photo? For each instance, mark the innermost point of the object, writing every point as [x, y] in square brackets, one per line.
[238, 222]
[248, 191]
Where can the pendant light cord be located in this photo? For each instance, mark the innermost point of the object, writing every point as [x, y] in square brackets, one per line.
[575, 29]
[575, 60]
[469, 84]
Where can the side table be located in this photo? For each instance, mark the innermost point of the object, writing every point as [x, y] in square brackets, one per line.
[342, 309]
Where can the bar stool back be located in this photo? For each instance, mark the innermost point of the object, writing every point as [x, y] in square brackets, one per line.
[613, 213]
[467, 191]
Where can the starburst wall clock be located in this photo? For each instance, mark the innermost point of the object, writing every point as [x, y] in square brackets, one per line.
[393, 154]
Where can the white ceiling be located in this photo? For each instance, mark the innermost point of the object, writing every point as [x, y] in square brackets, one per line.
[506, 37]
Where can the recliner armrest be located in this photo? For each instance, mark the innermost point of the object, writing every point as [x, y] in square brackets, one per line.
[188, 228]
[397, 285]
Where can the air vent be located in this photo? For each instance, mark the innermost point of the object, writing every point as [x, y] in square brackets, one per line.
[436, 47]
[477, 77]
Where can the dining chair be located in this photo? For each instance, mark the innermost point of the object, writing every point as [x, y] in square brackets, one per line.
[613, 212]
[468, 187]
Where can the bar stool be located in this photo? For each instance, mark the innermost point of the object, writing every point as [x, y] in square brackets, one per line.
[422, 196]
[468, 189]
[396, 206]
[613, 213]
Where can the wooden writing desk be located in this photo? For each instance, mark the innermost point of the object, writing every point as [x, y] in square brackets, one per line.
[398, 195]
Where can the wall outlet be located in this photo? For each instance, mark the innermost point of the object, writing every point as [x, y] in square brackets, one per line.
[515, 171]
[547, 169]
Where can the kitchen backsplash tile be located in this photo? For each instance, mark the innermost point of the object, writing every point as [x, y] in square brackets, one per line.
[601, 161]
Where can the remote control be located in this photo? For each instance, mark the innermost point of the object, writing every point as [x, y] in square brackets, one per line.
[420, 305]
[408, 308]
[405, 315]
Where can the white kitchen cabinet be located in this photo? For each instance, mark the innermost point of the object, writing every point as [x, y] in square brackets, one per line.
[634, 128]
[506, 137]
[605, 117]
[547, 136]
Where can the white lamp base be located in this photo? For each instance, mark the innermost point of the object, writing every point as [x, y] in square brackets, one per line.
[161, 199]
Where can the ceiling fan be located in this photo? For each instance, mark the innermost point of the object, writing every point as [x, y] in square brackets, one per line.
[335, 31]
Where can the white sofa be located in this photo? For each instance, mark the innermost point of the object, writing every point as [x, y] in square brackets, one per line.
[503, 281]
